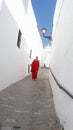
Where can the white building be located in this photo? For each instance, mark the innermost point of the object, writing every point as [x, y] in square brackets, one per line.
[45, 61]
[17, 23]
[61, 62]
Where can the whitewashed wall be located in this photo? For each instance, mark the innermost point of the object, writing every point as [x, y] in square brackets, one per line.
[12, 65]
[27, 22]
[33, 33]
[62, 61]
[46, 56]
[14, 60]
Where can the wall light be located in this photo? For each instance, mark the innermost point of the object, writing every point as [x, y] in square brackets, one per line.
[43, 31]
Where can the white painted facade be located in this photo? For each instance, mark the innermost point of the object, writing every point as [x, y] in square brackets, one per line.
[45, 61]
[14, 61]
[62, 61]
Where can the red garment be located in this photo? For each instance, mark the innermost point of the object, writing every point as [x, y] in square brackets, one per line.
[35, 68]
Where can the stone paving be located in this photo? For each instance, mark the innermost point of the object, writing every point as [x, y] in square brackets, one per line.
[28, 105]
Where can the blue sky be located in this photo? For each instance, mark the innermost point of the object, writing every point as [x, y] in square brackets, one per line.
[44, 11]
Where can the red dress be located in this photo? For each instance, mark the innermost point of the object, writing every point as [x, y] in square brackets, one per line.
[35, 68]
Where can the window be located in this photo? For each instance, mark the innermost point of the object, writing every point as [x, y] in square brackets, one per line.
[30, 53]
[19, 38]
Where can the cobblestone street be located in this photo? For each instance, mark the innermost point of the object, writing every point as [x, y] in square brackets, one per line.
[28, 105]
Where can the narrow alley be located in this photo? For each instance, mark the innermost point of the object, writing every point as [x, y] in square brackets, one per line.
[28, 105]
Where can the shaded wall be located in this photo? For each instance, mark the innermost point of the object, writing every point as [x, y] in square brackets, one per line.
[62, 62]
[12, 63]
[15, 60]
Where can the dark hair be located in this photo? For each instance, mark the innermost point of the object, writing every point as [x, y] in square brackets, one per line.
[36, 56]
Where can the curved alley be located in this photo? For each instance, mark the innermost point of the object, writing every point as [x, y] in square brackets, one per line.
[28, 105]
